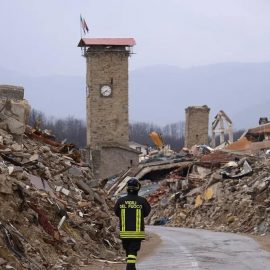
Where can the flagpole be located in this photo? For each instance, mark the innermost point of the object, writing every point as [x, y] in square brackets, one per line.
[81, 32]
[80, 26]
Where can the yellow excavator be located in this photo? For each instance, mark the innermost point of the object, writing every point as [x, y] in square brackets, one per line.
[157, 139]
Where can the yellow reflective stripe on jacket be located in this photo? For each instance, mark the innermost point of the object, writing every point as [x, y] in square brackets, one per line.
[132, 234]
[138, 220]
[123, 219]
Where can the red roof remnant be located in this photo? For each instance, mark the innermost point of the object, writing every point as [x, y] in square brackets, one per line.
[253, 140]
[260, 129]
[219, 157]
[85, 42]
[239, 145]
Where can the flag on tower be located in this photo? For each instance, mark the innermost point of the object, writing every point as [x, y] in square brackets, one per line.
[84, 25]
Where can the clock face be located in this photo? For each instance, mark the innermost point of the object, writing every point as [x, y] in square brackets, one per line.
[106, 90]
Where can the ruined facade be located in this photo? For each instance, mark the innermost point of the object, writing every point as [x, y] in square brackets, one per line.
[107, 104]
[197, 123]
[13, 92]
[15, 110]
[110, 160]
[221, 125]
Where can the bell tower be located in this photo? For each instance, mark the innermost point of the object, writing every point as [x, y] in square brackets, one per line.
[107, 94]
[107, 89]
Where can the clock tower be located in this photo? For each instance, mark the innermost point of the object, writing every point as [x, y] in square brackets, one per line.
[107, 95]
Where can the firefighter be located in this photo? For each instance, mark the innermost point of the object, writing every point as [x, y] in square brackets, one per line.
[131, 210]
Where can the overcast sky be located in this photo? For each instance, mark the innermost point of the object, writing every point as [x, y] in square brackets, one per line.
[40, 37]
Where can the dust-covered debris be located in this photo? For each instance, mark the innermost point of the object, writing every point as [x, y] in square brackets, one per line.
[223, 191]
[54, 214]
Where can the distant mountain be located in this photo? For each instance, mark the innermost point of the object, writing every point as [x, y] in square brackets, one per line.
[160, 94]
[249, 117]
[58, 96]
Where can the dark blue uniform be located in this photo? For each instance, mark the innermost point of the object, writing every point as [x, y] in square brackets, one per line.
[131, 210]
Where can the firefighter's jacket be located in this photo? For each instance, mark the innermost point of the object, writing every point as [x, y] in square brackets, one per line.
[131, 210]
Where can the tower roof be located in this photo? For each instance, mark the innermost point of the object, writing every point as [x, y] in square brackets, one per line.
[87, 42]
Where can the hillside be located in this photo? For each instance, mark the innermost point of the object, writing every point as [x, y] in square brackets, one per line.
[159, 94]
[241, 90]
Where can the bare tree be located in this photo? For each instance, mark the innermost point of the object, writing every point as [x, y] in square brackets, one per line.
[74, 130]
[172, 134]
[70, 128]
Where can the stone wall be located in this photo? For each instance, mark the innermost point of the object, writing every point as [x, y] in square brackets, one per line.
[109, 161]
[14, 110]
[11, 92]
[197, 124]
[107, 117]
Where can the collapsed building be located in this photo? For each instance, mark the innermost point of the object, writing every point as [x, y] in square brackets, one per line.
[224, 189]
[54, 214]
[253, 141]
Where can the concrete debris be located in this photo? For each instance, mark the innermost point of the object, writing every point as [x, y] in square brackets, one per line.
[161, 221]
[52, 209]
[253, 140]
[238, 172]
[55, 215]
[198, 150]
[222, 190]
[144, 169]
[2, 261]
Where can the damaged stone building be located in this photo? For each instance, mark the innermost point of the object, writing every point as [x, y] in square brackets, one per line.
[107, 104]
[196, 128]
[53, 214]
[15, 110]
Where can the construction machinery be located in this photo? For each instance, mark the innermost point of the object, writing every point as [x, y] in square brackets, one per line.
[163, 148]
[157, 139]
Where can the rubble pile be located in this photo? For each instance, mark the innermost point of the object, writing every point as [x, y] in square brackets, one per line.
[53, 214]
[223, 191]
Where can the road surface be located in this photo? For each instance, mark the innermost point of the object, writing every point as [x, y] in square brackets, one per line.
[200, 249]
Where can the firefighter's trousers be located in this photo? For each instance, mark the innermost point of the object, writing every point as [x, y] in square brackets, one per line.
[131, 246]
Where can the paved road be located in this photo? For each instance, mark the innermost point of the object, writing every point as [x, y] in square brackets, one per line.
[201, 249]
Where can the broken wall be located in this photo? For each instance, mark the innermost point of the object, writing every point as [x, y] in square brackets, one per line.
[197, 124]
[14, 110]
[53, 214]
[11, 92]
[112, 160]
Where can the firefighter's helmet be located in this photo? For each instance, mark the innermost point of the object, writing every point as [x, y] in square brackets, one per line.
[133, 184]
